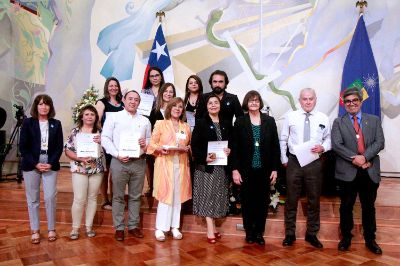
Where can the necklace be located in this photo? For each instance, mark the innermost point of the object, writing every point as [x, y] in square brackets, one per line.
[192, 101]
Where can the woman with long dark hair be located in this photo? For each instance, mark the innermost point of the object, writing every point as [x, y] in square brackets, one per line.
[111, 102]
[87, 172]
[41, 145]
[154, 82]
[167, 92]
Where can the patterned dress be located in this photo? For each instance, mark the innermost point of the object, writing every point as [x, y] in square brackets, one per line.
[210, 191]
[94, 167]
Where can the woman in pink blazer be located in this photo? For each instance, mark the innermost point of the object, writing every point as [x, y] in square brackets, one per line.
[172, 185]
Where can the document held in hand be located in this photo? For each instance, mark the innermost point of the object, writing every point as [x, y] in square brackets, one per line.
[217, 148]
[86, 147]
[129, 145]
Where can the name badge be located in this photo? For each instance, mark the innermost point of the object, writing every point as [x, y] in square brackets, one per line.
[180, 136]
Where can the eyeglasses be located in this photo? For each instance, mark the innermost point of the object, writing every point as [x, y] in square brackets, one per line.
[354, 101]
[154, 76]
[254, 101]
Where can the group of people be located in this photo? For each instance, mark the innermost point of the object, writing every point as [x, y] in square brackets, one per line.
[174, 154]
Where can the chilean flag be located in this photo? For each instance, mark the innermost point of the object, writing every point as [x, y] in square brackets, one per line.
[159, 57]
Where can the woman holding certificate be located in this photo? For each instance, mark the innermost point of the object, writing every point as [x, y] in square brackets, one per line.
[83, 148]
[41, 145]
[255, 162]
[111, 102]
[172, 186]
[210, 182]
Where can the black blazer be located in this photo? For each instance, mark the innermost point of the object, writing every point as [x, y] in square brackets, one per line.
[204, 132]
[230, 106]
[154, 116]
[29, 144]
[243, 145]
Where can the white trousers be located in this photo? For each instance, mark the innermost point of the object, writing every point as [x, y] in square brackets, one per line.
[86, 188]
[169, 216]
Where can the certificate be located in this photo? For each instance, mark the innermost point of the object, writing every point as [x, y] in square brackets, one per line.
[170, 148]
[217, 147]
[191, 120]
[86, 147]
[146, 104]
[129, 145]
[304, 154]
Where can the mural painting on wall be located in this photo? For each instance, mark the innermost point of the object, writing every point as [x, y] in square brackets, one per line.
[276, 47]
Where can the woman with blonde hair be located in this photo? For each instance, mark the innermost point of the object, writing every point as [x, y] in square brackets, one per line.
[172, 185]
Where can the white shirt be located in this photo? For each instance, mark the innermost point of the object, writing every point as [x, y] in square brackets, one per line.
[293, 130]
[44, 135]
[123, 121]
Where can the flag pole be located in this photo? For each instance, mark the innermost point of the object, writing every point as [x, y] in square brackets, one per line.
[160, 14]
[361, 4]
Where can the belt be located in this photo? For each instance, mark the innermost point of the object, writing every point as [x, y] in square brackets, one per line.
[143, 156]
[43, 151]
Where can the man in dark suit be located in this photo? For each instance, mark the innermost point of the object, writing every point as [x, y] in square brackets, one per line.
[230, 105]
[357, 138]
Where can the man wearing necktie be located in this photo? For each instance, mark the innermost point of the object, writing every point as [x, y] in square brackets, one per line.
[304, 125]
[357, 138]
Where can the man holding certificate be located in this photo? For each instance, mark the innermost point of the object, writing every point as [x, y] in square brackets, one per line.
[301, 129]
[126, 135]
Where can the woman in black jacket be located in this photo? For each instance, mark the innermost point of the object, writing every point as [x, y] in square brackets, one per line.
[210, 183]
[41, 145]
[255, 161]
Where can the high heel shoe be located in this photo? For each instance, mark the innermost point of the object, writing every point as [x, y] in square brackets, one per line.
[218, 235]
[211, 240]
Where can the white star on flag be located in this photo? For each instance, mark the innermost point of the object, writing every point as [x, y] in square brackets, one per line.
[159, 50]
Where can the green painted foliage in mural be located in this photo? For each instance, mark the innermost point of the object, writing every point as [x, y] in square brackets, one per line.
[27, 36]
[24, 94]
[214, 18]
[43, 63]
[46, 16]
[37, 43]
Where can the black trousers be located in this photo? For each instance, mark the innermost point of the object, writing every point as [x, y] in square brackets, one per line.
[311, 176]
[255, 201]
[367, 191]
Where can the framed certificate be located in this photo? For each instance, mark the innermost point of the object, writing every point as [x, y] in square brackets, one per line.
[129, 145]
[217, 147]
[146, 104]
[86, 147]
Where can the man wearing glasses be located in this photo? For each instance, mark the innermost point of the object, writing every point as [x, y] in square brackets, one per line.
[357, 138]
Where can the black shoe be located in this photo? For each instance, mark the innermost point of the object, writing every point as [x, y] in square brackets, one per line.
[260, 240]
[344, 244]
[288, 241]
[313, 240]
[249, 239]
[373, 246]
